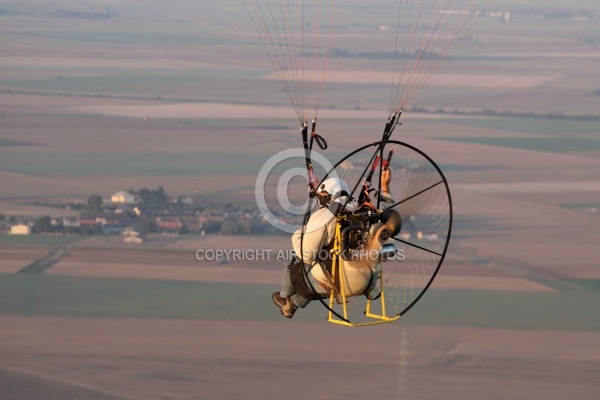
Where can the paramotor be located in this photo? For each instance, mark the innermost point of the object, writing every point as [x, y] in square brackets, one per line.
[387, 251]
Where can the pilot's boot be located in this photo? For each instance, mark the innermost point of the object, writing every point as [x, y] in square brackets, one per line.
[287, 307]
[278, 300]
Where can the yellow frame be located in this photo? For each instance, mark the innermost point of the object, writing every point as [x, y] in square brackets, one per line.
[337, 265]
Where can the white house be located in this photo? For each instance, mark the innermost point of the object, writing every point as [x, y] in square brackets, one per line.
[20, 229]
[123, 198]
[132, 236]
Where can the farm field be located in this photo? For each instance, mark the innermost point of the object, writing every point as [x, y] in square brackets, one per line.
[183, 97]
[136, 333]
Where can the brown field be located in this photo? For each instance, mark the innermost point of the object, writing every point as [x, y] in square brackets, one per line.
[158, 359]
[13, 258]
[158, 83]
[181, 265]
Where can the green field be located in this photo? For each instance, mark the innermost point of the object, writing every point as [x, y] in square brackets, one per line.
[153, 83]
[545, 144]
[37, 240]
[591, 284]
[580, 129]
[9, 143]
[68, 164]
[576, 206]
[43, 295]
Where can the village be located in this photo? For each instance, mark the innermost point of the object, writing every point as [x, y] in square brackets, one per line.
[134, 214]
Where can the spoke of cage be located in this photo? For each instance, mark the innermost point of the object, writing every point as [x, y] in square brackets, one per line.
[414, 195]
[417, 246]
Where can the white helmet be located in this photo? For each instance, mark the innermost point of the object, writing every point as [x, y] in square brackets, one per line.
[339, 192]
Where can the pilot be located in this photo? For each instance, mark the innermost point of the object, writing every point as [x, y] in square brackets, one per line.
[311, 242]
